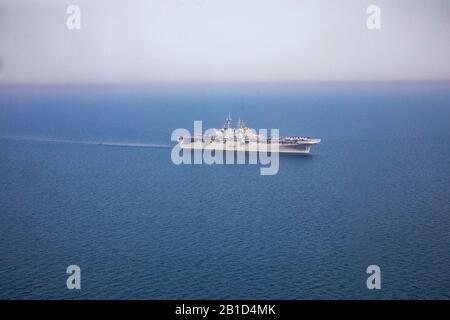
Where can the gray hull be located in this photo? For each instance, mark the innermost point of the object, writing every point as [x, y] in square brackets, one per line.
[261, 147]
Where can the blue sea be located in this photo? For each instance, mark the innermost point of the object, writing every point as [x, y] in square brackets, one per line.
[376, 191]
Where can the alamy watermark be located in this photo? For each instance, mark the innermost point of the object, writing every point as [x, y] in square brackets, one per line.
[207, 148]
[74, 280]
[73, 21]
[374, 280]
[373, 21]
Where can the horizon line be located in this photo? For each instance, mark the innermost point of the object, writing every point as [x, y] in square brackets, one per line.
[216, 83]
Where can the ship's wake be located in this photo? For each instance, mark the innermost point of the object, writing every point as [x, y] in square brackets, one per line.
[87, 142]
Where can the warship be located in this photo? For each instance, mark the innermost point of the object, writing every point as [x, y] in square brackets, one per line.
[246, 139]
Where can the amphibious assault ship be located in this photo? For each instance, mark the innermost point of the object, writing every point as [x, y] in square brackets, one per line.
[246, 139]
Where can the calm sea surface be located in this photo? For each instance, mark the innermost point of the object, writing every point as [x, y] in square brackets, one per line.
[375, 191]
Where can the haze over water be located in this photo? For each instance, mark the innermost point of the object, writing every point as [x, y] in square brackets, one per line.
[375, 191]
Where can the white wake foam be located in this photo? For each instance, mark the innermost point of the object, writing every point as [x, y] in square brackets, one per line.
[87, 142]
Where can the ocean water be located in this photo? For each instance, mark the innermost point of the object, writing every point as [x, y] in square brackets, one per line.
[375, 191]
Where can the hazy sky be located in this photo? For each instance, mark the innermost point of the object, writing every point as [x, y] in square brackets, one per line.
[145, 41]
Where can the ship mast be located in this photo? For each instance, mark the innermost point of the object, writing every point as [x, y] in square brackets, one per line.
[241, 124]
[227, 124]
